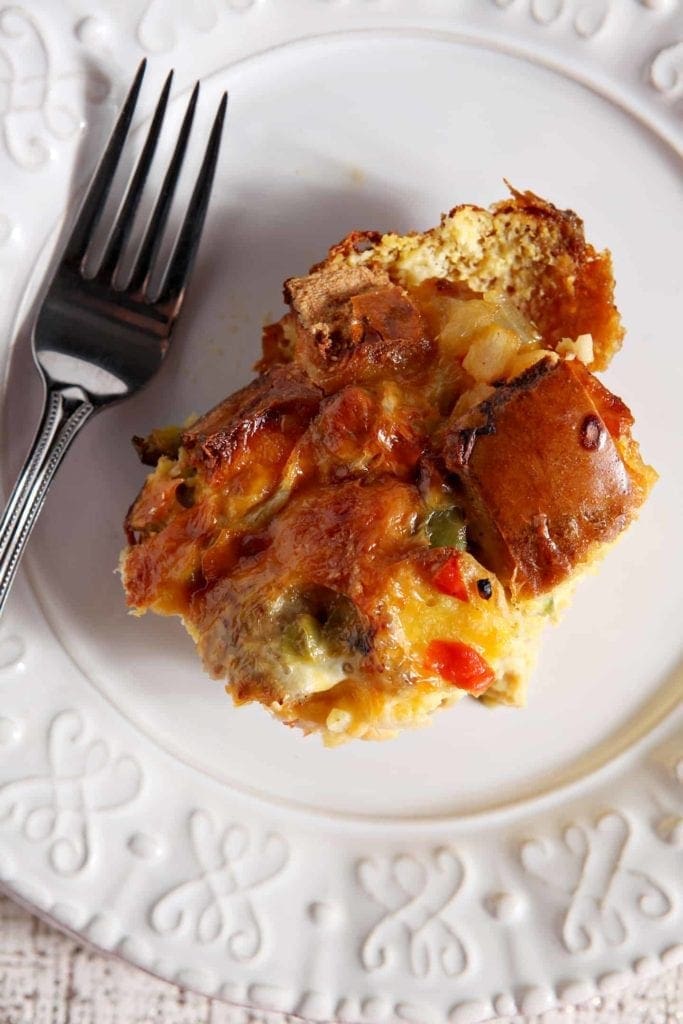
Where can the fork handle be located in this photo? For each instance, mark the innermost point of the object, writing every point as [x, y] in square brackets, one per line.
[65, 411]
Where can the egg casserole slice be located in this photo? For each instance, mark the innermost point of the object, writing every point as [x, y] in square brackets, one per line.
[386, 518]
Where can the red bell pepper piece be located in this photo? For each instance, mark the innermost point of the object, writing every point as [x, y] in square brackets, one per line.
[448, 579]
[461, 665]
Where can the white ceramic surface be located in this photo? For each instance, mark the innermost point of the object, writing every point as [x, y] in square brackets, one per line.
[497, 861]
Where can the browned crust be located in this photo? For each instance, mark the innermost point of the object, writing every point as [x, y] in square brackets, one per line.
[555, 276]
[544, 481]
[215, 438]
[352, 324]
[574, 293]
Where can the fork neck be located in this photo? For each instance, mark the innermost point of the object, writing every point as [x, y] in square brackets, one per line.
[66, 409]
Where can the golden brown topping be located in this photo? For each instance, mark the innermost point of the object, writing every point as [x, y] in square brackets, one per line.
[354, 325]
[543, 479]
[320, 300]
[572, 293]
[318, 539]
[282, 399]
[360, 432]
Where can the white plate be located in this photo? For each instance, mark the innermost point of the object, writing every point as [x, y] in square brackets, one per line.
[498, 861]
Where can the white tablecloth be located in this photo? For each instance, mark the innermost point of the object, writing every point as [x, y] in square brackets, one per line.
[47, 978]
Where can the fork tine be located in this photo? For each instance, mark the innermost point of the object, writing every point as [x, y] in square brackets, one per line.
[96, 197]
[126, 215]
[155, 228]
[186, 244]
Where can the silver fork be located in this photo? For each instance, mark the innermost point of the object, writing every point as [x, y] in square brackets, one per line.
[94, 343]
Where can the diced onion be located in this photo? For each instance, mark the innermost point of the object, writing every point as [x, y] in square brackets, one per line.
[464, 318]
[490, 353]
[581, 349]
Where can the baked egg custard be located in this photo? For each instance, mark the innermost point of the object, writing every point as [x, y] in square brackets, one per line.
[386, 518]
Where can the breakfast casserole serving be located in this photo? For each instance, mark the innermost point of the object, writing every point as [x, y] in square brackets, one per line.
[386, 518]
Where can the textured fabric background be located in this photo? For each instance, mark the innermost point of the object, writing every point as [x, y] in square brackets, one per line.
[46, 978]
